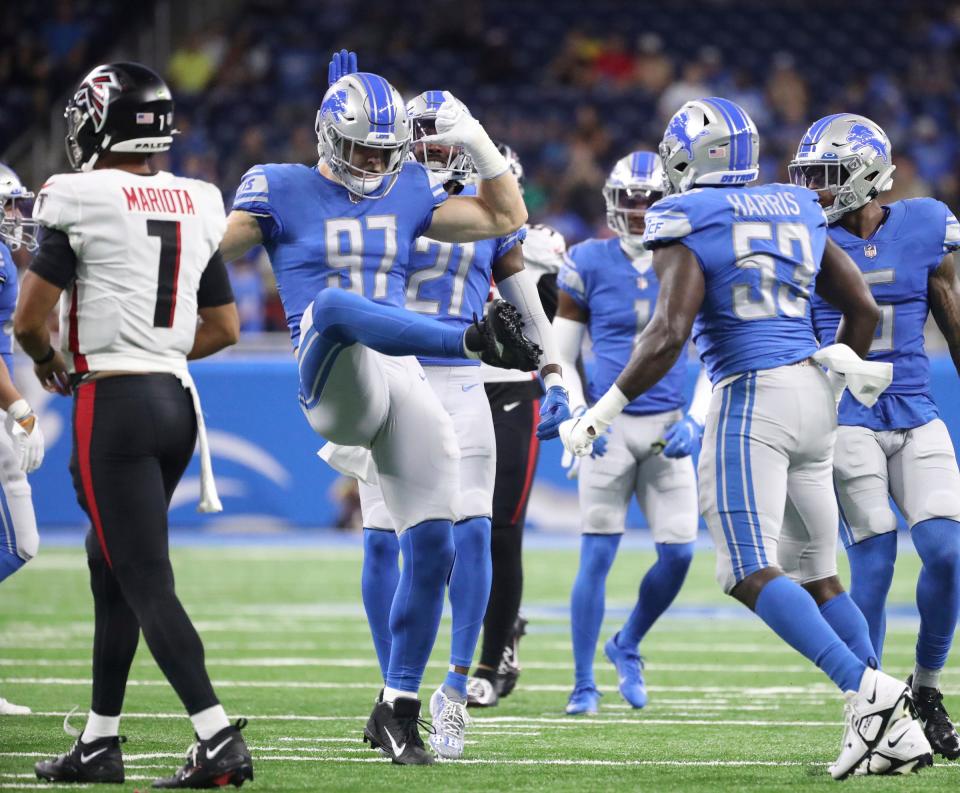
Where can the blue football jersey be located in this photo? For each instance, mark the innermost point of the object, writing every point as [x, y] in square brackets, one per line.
[9, 287]
[318, 238]
[451, 281]
[896, 261]
[620, 298]
[760, 250]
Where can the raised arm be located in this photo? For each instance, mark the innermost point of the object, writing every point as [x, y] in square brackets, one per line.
[842, 285]
[943, 294]
[498, 208]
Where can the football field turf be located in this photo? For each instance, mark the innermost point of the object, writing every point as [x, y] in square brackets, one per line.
[731, 707]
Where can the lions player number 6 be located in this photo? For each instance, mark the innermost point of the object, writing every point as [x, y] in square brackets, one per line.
[792, 300]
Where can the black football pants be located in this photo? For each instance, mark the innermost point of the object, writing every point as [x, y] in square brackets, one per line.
[515, 427]
[133, 436]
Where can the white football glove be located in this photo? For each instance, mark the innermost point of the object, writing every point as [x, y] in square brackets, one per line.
[455, 126]
[24, 430]
[579, 433]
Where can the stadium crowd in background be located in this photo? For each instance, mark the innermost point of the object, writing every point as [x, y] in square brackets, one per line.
[569, 93]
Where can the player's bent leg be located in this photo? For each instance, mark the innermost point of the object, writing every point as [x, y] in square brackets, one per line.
[345, 318]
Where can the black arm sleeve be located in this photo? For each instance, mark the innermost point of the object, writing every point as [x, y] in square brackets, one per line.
[55, 261]
[214, 284]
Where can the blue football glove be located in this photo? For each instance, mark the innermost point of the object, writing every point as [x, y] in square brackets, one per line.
[553, 412]
[682, 438]
[341, 64]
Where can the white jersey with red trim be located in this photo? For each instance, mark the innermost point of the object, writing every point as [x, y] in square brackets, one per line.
[142, 244]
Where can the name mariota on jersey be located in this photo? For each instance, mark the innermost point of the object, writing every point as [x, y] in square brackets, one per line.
[172, 200]
[780, 203]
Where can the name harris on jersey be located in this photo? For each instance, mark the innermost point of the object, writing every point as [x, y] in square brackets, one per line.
[779, 203]
[173, 200]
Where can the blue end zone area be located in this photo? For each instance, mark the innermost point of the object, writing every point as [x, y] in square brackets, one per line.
[267, 470]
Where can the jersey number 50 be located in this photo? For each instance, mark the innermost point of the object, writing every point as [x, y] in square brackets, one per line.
[770, 298]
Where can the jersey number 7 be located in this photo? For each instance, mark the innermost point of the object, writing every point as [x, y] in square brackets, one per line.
[169, 233]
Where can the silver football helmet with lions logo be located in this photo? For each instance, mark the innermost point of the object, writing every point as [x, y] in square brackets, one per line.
[709, 141]
[848, 155]
[634, 184]
[16, 231]
[448, 162]
[363, 133]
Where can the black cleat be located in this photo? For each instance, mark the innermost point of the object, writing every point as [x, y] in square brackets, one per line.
[936, 721]
[509, 668]
[217, 762]
[498, 339]
[392, 728]
[99, 761]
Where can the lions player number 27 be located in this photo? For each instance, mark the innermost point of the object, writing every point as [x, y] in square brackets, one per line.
[345, 243]
[793, 243]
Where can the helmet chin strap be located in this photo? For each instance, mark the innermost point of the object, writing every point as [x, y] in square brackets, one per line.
[632, 246]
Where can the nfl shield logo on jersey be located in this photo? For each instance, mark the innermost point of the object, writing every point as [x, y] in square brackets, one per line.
[870, 251]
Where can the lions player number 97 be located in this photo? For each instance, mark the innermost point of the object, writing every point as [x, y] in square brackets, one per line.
[349, 257]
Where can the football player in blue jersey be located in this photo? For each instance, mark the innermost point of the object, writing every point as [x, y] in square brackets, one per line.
[736, 265]
[609, 287]
[898, 448]
[451, 281]
[21, 447]
[339, 237]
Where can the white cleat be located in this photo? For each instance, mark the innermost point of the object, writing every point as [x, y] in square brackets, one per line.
[9, 709]
[903, 750]
[869, 715]
[450, 721]
[481, 693]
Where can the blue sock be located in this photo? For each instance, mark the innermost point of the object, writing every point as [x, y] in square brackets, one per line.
[427, 550]
[848, 622]
[455, 683]
[469, 588]
[345, 318]
[938, 589]
[597, 552]
[871, 573]
[793, 615]
[9, 563]
[378, 584]
[657, 590]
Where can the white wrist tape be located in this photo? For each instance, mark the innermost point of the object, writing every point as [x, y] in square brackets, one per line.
[19, 410]
[487, 159]
[609, 406]
[700, 403]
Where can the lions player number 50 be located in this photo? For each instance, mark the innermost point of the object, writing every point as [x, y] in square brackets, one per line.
[789, 300]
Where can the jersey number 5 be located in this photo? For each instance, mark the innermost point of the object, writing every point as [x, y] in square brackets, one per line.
[169, 233]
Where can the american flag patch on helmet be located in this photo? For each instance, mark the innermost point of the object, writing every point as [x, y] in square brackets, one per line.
[716, 152]
[144, 118]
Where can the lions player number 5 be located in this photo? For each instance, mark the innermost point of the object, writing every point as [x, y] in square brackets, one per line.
[790, 301]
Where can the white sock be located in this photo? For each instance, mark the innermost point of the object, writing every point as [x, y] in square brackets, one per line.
[100, 727]
[927, 678]
[209, 722]
[391, 695]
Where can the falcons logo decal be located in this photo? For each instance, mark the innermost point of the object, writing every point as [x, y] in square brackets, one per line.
[94, 95]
